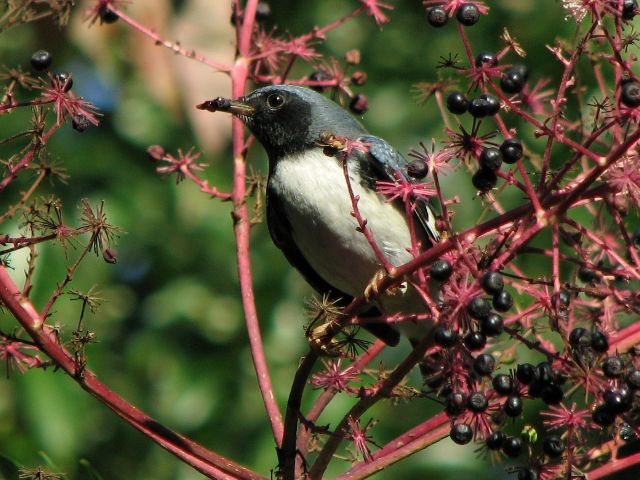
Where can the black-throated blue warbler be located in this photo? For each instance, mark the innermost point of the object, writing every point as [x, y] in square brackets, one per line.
[309, 208]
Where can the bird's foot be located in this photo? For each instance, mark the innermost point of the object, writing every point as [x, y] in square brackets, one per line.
[373, 288]
[320, 338]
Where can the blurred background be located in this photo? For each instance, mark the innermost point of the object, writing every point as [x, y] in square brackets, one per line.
[170, 330]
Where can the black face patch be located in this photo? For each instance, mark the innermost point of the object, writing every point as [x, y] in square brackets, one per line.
[281, 122]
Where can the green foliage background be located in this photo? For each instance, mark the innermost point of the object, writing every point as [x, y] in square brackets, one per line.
[170, 331]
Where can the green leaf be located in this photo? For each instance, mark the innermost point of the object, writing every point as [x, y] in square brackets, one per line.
[9, 470]
[87, 472]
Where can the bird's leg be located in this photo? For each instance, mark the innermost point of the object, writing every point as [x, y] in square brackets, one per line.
[373, 288]
[321, 338]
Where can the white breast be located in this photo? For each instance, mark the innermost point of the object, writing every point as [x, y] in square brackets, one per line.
[319, 208]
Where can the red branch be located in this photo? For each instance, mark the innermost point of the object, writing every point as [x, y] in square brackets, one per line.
[205, 461]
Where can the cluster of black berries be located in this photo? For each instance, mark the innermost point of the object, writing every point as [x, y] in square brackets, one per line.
[513, 79]
[467, 14]
[40, 61]
[541, 381]
[493, 284]
[616, 400]
[581, 340]
[491, 159]
[484, 105]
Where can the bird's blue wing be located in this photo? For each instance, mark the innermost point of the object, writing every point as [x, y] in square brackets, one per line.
[388, 163]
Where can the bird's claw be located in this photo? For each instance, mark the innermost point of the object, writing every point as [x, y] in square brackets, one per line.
[373, 288]
[320, 339]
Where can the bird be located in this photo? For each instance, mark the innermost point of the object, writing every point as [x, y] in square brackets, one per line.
[309, 207]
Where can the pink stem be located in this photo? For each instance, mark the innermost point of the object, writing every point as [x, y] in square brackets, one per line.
[416, 439]
[613, 466]
[174, 47]
[362, 223]
[24, 161]
[242, 228]
[205, 461]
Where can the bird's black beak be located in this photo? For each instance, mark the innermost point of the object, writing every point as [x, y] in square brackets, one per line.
[235, 107]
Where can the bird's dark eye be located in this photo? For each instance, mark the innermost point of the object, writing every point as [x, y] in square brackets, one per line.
[275, 101]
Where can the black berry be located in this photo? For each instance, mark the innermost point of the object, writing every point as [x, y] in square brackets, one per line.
[479, 308]
[602, 416]
[491, 158]
[461, 433]
[512, 81]
[107, 15]
[579, 337]
[535, 389]
[630, 94]
[468, 14]
[587, 275]
[80, 123]
[495, 440]
[477, 402]
[440, 270]
[487, 58]
[521, 70]
[437, 16]
[456, 404]
[417, 169]
[484, 105]
[633, 379]
[599, 341]
[629, 9]
[492, 282]
[359, 104]
[544, 373]
[552, 394]
[475, 340]
[457, 103]
[502, 301]
[484, 179]
[553, 446]
[513, 406]
[627, 433]
[444, 337]
[525, 373]
[511, 150]
[612, 367]
[41, 60]
[512, 446]
[319, 76]
[63, 79]
[528, 473]
[484, 364]
[502, 384]
[618, 400]
[492, 325]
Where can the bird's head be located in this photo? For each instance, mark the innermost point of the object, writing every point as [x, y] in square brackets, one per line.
[288, 118]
